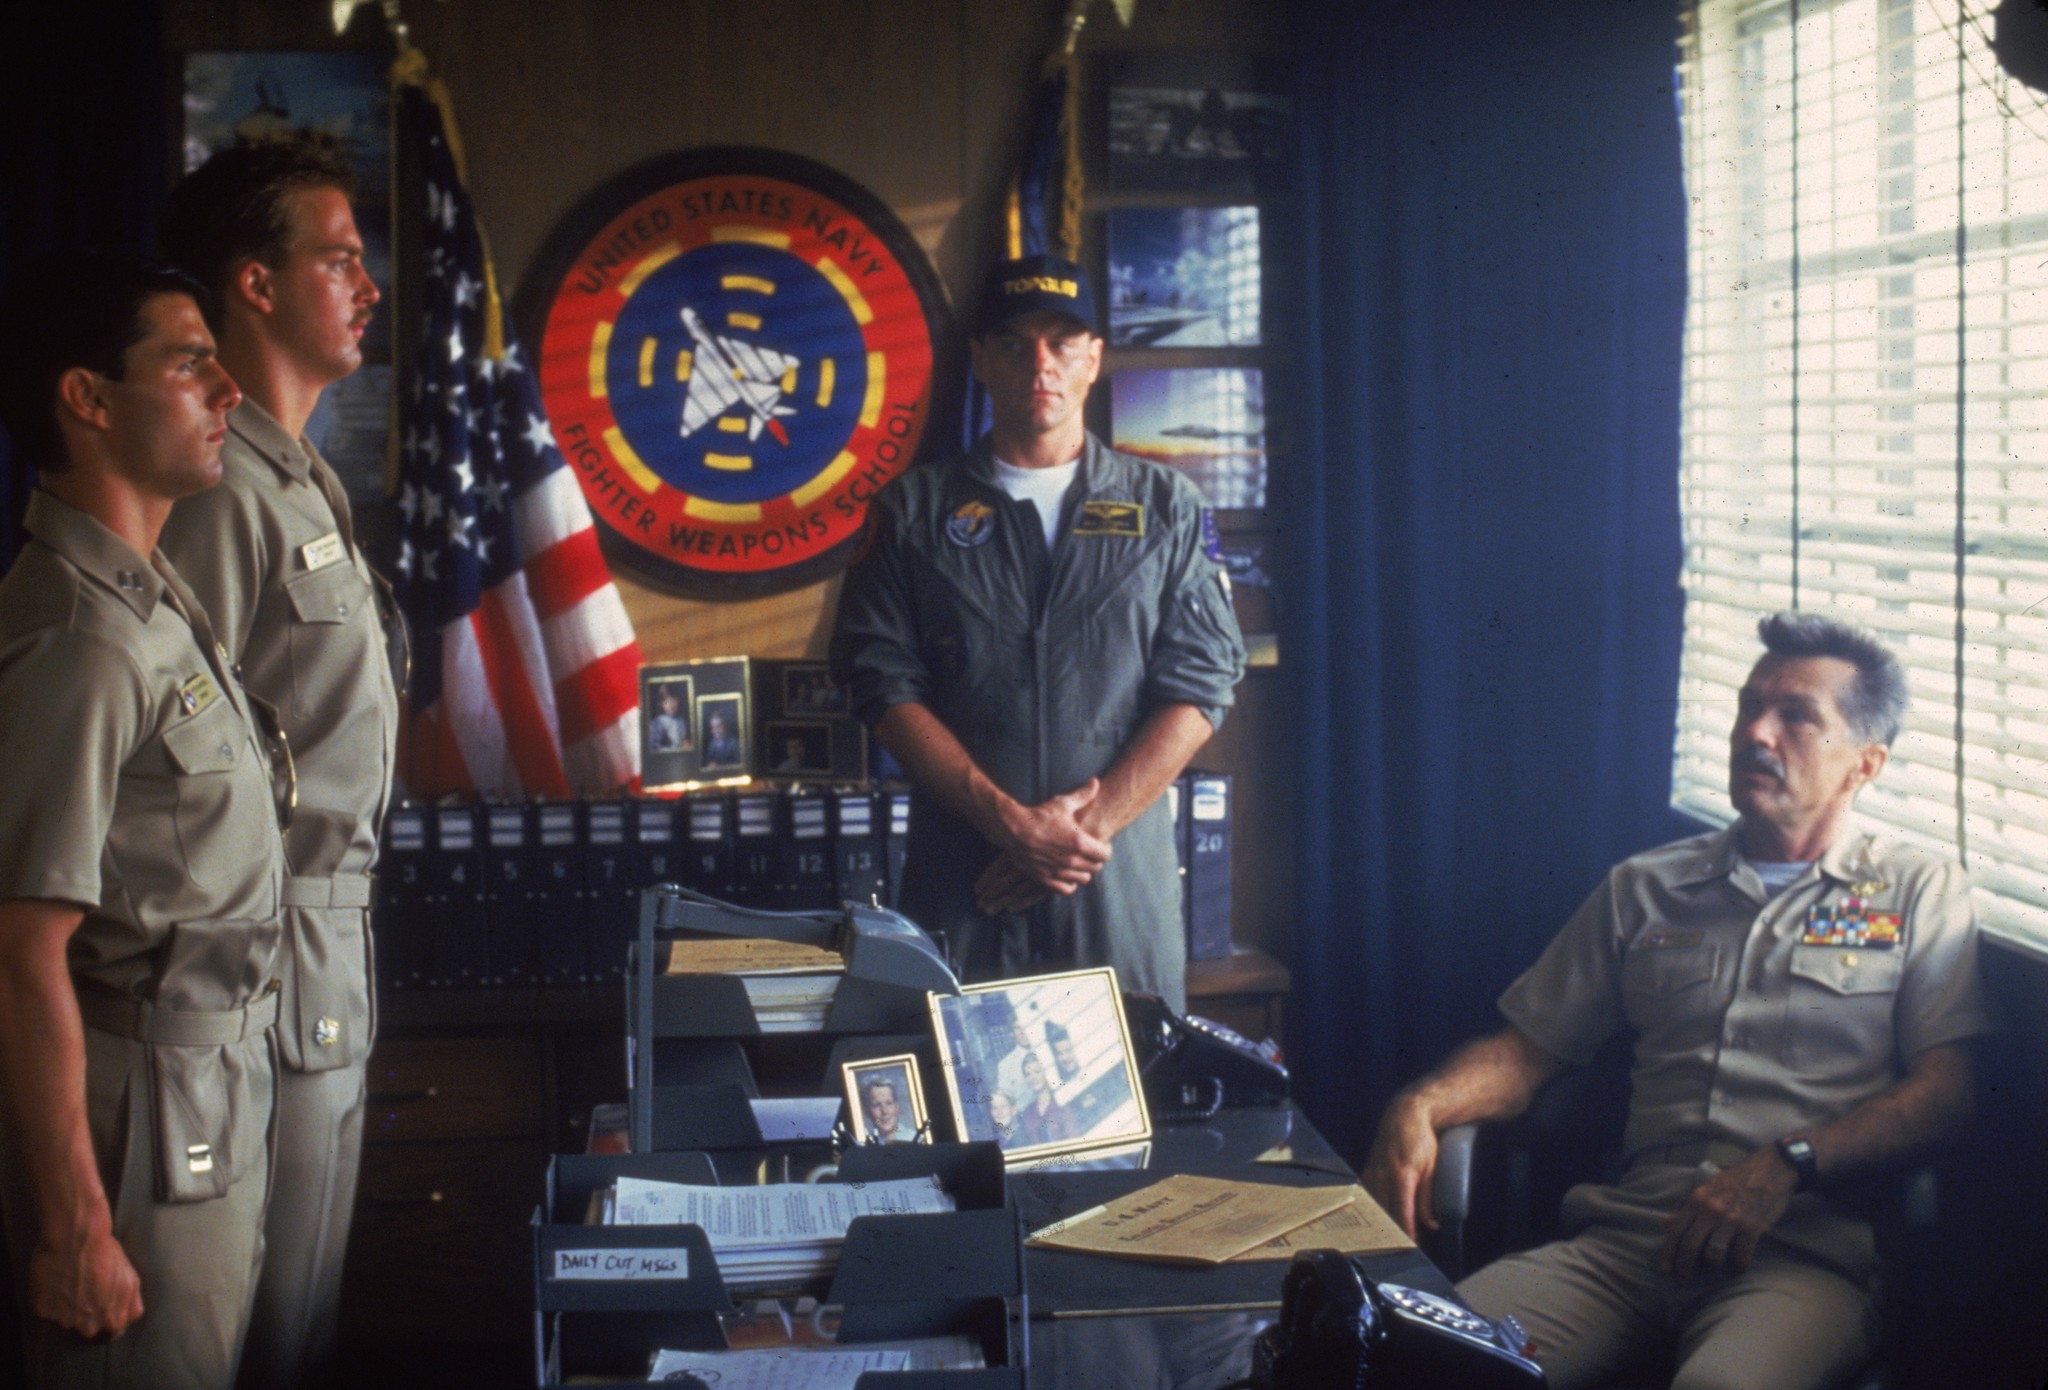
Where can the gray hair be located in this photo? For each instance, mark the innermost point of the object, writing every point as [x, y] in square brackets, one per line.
[1875, 705]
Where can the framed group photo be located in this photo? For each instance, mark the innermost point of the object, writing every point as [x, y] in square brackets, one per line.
[885, 1101]
[1042, 1065]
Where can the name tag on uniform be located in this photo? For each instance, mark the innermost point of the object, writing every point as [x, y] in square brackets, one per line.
[1672, 940]
[196, 694]
[1110, 519]
[323, 552]
[1852, 924]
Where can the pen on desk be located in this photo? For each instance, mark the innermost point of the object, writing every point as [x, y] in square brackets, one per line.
[1262, 1306]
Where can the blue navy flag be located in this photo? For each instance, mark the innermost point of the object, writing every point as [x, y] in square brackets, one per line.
[526, 675]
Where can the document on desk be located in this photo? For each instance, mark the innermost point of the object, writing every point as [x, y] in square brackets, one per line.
[1192, 1220]
[777, 1235]
[1359, 1227]
[815, 1368]
[750, 955]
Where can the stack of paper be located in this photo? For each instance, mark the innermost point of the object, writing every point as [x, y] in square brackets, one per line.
[1205, 1221]
[777, 1235]
[790, 1003]
[789, 984]
[818, 1367]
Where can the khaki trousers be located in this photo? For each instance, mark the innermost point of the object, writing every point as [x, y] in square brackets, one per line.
[1600, 1306]
[319, 1155]
[198, 1261]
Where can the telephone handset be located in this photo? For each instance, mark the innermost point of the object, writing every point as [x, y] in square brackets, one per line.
[1192, 1067]
[1339, 1330]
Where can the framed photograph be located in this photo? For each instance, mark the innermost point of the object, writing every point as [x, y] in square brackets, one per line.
[799, 748]
[808, 688]
[343, 99]
[1209, 422]
[721, 734]
[1184, 277]
[1189, 139]
[668, 742]
[1042, 1065]
[885, 1098]
[668, 720]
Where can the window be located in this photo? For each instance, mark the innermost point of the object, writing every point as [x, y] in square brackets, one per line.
[1865, 413]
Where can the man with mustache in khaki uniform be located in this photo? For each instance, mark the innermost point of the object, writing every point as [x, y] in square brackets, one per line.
[272, 554]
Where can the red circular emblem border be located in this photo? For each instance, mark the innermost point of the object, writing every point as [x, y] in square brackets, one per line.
[669, 208]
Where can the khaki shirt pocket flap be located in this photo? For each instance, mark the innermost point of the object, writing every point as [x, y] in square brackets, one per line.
[327, 595]
[1668, 970]
[1842, 970]
[210, 741]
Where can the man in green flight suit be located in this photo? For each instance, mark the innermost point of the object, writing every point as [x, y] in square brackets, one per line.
[140, 859]
[1037, 632]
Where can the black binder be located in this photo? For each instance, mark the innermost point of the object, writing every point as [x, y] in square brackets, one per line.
[458, 955]
[400, 923]
[709, 814]
[898, 843]
[1209, 815]
[511, 876]
[757, 866]
[859, 867]
[561, 927]
[803, 822]
[607, 894]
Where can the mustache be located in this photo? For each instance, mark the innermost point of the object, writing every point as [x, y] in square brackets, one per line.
[1757, 760]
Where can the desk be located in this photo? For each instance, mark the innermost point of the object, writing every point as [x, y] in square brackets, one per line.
[1092, 1323]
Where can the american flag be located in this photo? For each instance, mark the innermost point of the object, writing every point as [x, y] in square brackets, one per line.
[525, 669]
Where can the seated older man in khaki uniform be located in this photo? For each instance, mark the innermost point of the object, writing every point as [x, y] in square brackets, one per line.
[140, 857]
[1800, 989]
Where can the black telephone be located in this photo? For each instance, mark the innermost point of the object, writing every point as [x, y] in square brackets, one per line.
[1338, 1330]
[1192, 1068]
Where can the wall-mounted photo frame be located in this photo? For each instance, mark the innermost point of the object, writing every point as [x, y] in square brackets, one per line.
[1042, 1065]
[1184, 277]
[1208, 422]
[885, 1100]
[668, 740]
[344, 100]
[1195, 139]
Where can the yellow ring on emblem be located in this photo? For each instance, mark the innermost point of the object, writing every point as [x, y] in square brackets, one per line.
[721, 511]
[623, 455]
[654, 260]
[855, 301]
[825, 481]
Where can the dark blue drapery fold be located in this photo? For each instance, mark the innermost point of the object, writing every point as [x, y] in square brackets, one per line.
[1484, 613]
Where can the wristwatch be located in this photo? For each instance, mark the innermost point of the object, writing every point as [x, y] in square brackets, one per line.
[1798, 1152]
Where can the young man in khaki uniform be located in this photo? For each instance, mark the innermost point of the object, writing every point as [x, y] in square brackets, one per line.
[272, 554]
[140, 861]
[1801, 990]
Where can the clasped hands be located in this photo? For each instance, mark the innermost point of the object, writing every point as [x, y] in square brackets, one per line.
[1052, 847]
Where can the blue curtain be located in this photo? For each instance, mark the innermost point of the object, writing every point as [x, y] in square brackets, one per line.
[1484, 616]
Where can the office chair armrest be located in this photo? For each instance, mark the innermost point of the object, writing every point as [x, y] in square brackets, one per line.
[1451, 1189]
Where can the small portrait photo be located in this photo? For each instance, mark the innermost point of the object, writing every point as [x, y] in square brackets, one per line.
[718, 730]
[668, 715]
[809, 689]
[1042, 1065]
[885, 1097]
[797, 749]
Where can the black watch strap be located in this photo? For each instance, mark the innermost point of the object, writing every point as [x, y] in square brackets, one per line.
[1799, 1153]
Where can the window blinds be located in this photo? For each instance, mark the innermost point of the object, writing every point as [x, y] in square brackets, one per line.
[1865, 411]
